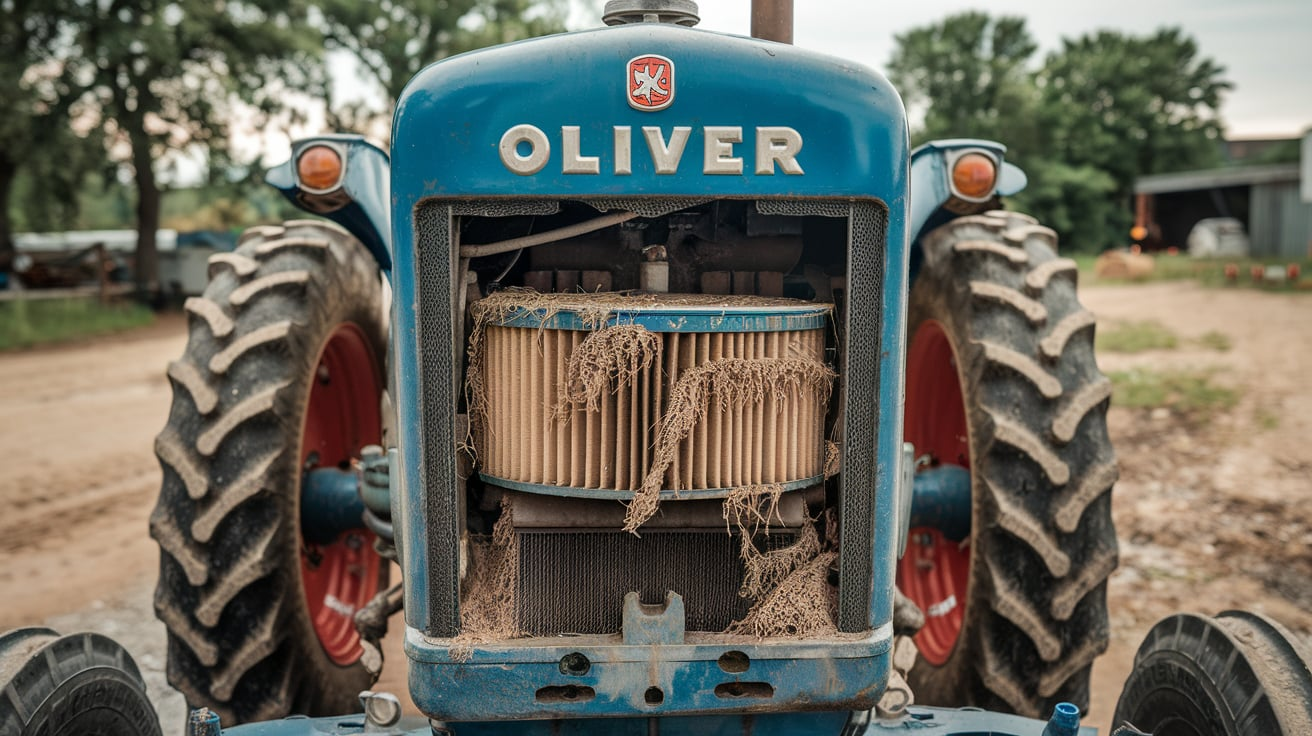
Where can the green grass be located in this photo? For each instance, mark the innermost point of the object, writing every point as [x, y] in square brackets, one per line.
[1206, 271]
[1215, 340]
[1266, 419]
[1136, 337]
[27, 322]
[1189, 392]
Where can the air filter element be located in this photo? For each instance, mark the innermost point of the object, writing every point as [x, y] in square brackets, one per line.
[574, 389]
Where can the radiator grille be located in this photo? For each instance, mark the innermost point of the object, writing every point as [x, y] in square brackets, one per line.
[536, 437]
[574, 581]
[439, 360]
[861, 357]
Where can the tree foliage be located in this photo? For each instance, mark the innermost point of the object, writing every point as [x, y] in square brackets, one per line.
[170, 77]
[35, 135]
[150, 84]
[393, 39]
[969, 75]
[1132, 106]
[1101, 111]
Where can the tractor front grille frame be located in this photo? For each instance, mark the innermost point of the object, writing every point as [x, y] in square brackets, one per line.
[440, 360]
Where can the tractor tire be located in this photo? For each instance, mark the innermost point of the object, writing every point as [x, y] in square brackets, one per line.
[1238, 674]
[1001, 379]
[71, 686]
[282, 373]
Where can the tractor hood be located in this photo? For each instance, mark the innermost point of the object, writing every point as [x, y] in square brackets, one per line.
[650, 109]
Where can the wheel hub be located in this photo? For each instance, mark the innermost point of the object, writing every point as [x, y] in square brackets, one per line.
[935, 571]
[341, 576]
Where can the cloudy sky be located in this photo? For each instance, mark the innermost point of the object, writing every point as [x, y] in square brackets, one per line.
[1265, 45]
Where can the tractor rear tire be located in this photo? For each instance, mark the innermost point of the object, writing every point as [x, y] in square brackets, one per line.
[71, 686]
[282, 372]
[1001, 379]
[1238, 674]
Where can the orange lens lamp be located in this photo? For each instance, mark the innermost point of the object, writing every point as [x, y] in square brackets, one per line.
[319, 168]
[974, 176]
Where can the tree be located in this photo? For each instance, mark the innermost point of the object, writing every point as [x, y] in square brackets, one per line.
[1102, 111]
[969, 74]
[169, 76]
[35, 137]
[1078, 202]
[1132, 106]
[393, 39]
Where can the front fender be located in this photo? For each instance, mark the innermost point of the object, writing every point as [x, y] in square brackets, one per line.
[358, 203]
[932, 199]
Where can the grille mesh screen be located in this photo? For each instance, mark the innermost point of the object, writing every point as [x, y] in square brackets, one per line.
[574, 581]
[861, 355]
[437, 388]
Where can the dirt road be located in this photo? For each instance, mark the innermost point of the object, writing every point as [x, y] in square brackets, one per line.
[1211, 514]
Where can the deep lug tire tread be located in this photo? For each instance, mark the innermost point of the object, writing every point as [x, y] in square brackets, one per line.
[70, 685]
[1236, 674]
[227, 520]
[1043, 544]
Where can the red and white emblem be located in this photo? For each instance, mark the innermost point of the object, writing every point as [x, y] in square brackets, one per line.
[650, 82]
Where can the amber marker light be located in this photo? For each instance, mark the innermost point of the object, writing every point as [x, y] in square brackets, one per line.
[973, 176]
[319, 168]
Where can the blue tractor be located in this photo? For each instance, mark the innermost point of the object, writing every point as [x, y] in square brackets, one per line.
[686, 398]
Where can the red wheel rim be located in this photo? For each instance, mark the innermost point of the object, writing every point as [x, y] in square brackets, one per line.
[342, 416]
[935, 571]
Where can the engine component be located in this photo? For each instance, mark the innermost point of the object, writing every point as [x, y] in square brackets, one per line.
[575, 389]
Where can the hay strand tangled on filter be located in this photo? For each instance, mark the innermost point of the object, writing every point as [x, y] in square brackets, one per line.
[593, 310]
[732, 383]
[609, 358]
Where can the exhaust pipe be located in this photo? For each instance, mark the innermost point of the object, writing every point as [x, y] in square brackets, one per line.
[772, 20]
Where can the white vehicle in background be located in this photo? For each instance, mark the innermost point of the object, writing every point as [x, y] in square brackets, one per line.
[1218, 237]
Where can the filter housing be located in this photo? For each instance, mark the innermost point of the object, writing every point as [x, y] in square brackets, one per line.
[537, 434]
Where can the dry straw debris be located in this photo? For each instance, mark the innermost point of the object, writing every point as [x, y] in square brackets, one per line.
[790, 586]
[732, 383]
[609, 358]
[487, 603]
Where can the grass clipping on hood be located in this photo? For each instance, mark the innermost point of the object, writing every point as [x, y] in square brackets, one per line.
[789, 587]
[731, 383]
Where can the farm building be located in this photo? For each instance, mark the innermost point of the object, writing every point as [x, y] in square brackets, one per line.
[1273, 202]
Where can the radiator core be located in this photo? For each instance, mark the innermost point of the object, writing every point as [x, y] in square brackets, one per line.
[534, 437]
[574, 581]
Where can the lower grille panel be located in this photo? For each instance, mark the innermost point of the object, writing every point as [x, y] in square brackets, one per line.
[574, 581]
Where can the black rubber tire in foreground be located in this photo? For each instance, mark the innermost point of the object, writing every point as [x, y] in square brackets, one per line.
[71, 686]
[240, 637]
[1238, 674]
[1042, 466]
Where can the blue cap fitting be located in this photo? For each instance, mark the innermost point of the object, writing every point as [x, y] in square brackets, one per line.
[1065, 721]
